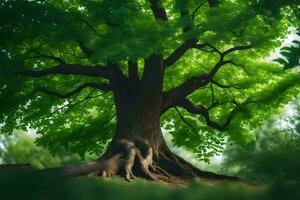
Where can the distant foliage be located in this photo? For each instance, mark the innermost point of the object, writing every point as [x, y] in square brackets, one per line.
[274, 156]
[20, 149]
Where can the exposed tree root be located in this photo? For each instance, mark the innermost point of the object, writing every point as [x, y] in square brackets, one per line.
[131, 159]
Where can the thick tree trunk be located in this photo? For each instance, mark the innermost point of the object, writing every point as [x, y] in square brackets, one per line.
[138, 148]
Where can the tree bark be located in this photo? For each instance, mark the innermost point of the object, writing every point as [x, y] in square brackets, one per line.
[138, 148]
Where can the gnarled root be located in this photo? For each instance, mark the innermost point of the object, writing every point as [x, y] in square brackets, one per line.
[185, 170]
[129, 158]
[136, 158]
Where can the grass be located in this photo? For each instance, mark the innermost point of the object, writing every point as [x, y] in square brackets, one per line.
[27, 185]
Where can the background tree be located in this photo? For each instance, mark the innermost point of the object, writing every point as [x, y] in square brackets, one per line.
[19, 148]
[85, 73]
[272, 157]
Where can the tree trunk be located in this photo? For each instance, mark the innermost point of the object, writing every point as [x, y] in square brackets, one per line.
[138, 148]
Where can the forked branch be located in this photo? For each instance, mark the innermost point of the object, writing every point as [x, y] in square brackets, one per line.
[179, 52]
[133, 72]
[158, 11]
[173, 96]
[201, 110]
[221, 54]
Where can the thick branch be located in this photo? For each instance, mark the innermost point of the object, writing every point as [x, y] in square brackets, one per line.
[133, 72]
[100, 86]
[173, 96]
[201, 110]
[191, 43]
[72, 69]
[184, 47]
[152, 79]
[179, 52]
[158, 11]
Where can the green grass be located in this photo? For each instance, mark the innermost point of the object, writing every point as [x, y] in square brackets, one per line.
[27, 185]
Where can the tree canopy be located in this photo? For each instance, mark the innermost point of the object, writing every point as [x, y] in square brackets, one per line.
[56, 59]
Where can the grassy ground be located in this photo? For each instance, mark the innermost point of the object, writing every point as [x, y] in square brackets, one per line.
[31, 186]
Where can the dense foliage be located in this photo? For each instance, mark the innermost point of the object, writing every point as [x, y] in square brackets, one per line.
[40, 34]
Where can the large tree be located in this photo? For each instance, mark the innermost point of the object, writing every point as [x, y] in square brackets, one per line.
[85, 73]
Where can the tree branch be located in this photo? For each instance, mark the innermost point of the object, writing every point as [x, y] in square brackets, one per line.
[218, 103]
[189, 86]
[201, 110]
[221, 54]
[89, 25]
[225, 86]
[184, 47]
[204, 45]
[173, 96]
[179, 52]
[220, 85]
[100, 86]
[158, 11]
[40, 55]
[197, 8]
[72, 69]
[72, 102]
[238, 48]
[183, 119]
[133, 72]
[152, 78]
